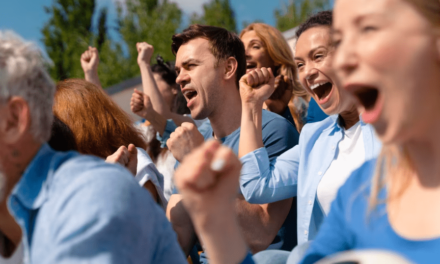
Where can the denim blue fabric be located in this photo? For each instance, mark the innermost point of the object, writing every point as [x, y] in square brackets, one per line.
[349, 225]
[299, 170]
[74, 208]
[314, 112]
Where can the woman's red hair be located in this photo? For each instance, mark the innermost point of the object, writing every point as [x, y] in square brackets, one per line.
[99, 125]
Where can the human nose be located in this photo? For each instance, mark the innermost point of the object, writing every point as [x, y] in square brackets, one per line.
[311, 73]
[182, 78]
[345, 59]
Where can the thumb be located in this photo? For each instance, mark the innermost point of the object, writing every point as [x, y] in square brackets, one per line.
[132, 159]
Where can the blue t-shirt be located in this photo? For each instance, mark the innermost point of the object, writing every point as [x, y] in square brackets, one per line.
[349, 226]
[279, 135]
[314, 112]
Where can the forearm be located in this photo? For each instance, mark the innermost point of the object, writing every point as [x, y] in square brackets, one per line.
[266, 218]
[262, 181]
[251, 126]
[221, 236]
[92, 77]
[181, 222]
[179, 119]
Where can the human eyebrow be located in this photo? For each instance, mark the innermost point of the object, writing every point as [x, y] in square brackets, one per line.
[186, 63]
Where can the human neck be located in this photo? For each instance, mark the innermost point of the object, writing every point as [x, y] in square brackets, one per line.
[226, 118]
[16, 159]
[350, 117]
[424, 153]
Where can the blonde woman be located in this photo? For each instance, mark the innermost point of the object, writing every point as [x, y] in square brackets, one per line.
[266, 47]
[388, 57]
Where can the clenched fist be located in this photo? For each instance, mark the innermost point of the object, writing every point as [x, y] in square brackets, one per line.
[183, 140]
[257, 86]
[127, 157]
[145, 51]
[141, 105]
[90, 60]
[208, 179]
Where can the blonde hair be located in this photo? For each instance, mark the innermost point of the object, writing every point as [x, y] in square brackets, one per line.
[394, 160]
[280, 52]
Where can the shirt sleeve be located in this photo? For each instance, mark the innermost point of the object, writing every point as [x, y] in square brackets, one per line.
[169, 128]
[263, 181]
[279, 136]
[334, 234]
[104, 217]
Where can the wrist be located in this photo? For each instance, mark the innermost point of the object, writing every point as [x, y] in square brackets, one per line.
[91, 73]
[143, 64]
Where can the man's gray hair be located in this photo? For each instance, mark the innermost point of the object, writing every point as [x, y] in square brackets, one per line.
[22, 74]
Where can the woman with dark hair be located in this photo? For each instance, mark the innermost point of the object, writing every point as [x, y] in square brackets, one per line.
[328, 151]
[100, 128]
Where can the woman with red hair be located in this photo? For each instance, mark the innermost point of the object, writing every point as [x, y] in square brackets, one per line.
[102, 128]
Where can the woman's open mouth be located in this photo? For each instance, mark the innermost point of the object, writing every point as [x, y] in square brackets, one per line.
[370, 99]
[250, 66]
[322, 91]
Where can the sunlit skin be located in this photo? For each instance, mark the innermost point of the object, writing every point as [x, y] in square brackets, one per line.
[195, 65]
[381, 44]
[389, 47]
[313, 57]
[256, 53]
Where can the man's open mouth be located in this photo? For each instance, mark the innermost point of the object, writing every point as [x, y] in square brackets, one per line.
[322, 90]
[189, 94]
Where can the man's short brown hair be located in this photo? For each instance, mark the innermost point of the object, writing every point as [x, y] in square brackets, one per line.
[224, 44]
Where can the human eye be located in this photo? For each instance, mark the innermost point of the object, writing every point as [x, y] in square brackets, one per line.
[368, 28]
[299, 65]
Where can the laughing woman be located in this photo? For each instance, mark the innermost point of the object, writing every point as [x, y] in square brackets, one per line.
[388, 56]
[328, 151]
[265, 46]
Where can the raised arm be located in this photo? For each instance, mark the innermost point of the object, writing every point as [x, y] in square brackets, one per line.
[89, 64]
[255, 87]
[208, 179]
[145, 51]
[142, 106]
[262, 181]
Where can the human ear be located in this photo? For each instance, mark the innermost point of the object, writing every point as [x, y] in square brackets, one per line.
[230, 68]
[15, 121]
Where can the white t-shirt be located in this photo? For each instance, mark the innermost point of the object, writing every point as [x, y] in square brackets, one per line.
[16, 258]
[147, 171]
[165, 164]
[350, 156]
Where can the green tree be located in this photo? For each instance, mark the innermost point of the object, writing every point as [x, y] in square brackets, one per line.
[66, 35]
[152, 21]
[296, 12]
[216, 13]
[69, 32]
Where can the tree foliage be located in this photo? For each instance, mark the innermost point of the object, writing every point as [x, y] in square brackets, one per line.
[216, 13]
[152, 21]
[66, 35]
[296, 12]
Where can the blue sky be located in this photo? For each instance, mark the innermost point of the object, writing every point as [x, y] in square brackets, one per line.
[27, 17]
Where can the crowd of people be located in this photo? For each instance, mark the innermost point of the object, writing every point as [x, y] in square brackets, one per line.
[247, 152]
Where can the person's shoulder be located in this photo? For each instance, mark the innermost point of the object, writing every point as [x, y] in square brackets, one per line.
[272, 121]
[320, 125]
[84, 173]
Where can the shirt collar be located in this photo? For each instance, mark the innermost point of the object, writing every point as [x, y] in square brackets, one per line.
[33, 187]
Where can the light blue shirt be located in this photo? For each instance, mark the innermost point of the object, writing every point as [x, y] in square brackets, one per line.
[299, 170]
[352, 225]
[78, 209]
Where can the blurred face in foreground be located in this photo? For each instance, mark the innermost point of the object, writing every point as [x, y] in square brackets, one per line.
[313, 57]
[199, 77]
[387, 56]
